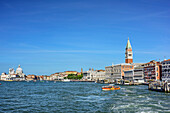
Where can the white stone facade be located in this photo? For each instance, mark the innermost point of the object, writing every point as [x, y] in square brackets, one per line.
[129, 75]
[94, 75]
[18, 76]
[109, 71]
[136, 75]
[166, 70]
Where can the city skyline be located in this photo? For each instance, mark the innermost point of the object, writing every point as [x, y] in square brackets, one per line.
[55, 36]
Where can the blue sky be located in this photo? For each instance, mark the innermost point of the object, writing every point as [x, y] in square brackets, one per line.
[48, 36]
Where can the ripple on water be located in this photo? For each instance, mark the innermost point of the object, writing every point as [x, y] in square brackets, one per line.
[79, 97]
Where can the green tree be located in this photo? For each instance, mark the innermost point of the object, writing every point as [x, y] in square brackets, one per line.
[74, 76]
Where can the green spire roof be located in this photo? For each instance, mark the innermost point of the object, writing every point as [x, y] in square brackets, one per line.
[128, 46]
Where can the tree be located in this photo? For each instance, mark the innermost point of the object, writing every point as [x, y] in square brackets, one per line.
[74, 76]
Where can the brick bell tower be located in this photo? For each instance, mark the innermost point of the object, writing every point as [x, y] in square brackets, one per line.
[128, 53]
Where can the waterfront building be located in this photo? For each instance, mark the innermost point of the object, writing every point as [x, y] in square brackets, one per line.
[135, 75]
[88, 75]
[99, 75]
[79, 73]
[152, 71]
[11, 71]
[138, 74]
[19, 72]
[128, 75]
[45, 77]
[41, 77]
[31, 77]
[116, 72]
[119, 69]
[18, 76]
[60, 75]
[109, 71]
[3, 76]
[94, 75]
[65, 74]
[128, 53]
[166, 70]
[54, 76]
[38, 77]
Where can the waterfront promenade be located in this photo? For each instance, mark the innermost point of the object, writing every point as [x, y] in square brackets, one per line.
[79, 97]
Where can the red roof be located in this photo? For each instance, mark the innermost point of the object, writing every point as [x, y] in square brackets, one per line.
[167, 60]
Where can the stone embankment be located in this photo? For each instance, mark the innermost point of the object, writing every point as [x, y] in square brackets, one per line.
[81, 81]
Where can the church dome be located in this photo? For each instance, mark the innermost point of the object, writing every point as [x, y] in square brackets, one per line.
[19, 70]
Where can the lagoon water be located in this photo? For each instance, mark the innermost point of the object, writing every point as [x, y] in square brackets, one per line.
[79, 97]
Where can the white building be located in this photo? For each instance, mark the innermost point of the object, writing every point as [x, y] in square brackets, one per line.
[11, 71]
[3, 76]
[54, 76]
[128, 75]
[94, 75]
[18, 76]
[166, 70]
[109, 71]
[88, 75]
[135, 75]
[138, 74]
[19, 72]
[116, 72]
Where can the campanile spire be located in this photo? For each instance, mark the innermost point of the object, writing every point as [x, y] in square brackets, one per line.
[128, 53]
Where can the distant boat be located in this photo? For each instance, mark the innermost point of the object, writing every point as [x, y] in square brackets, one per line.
[110, 87]
[0, 83]
[66, 80]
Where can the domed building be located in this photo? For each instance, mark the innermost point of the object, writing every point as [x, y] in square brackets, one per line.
[18, 76]
[19, 71]
[11, 71]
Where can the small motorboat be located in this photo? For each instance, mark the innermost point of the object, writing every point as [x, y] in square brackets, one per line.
[110, 87]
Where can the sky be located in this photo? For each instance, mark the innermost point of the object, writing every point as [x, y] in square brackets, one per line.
[49, 36]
